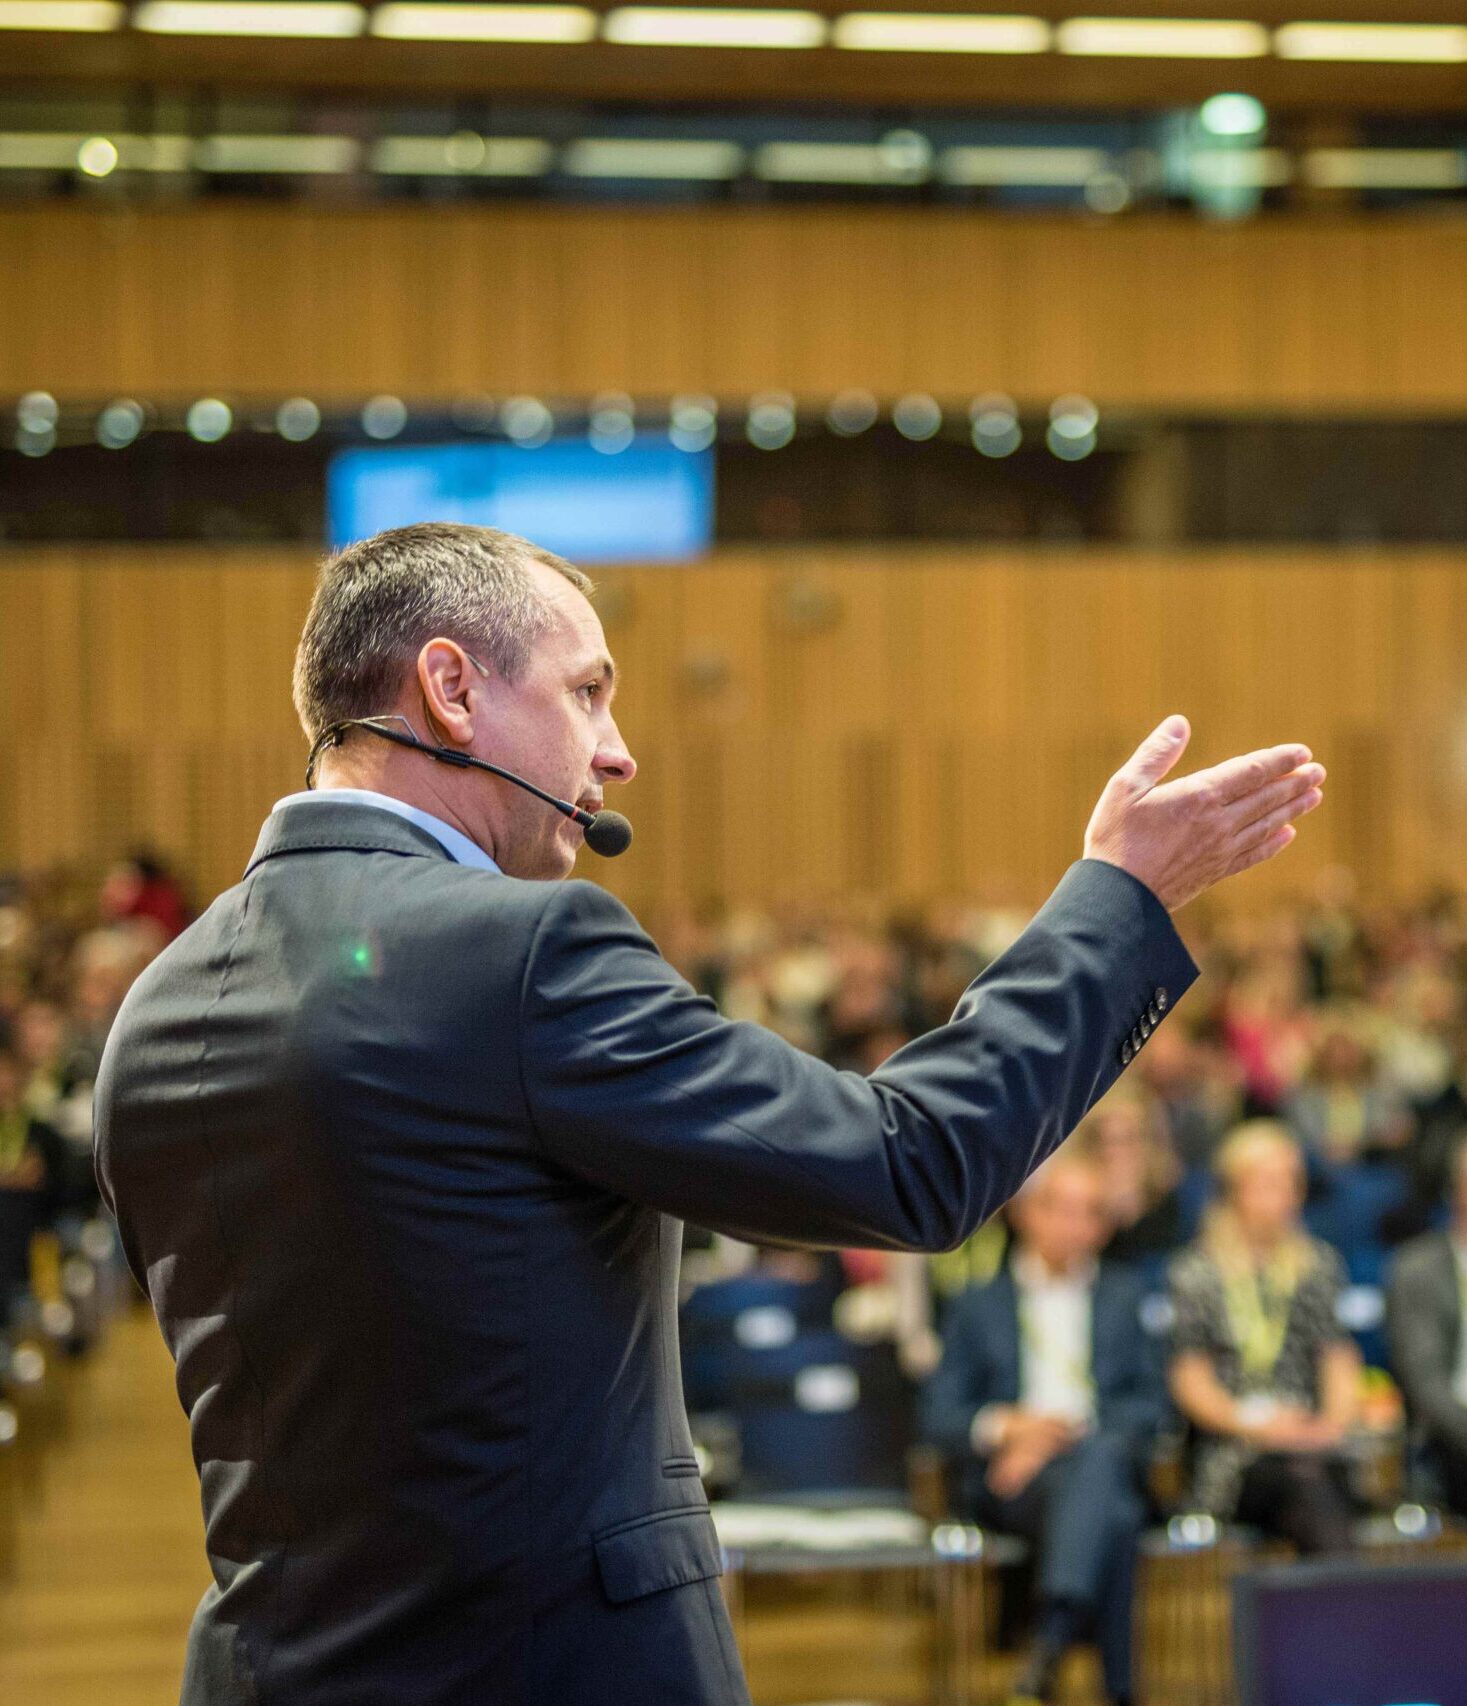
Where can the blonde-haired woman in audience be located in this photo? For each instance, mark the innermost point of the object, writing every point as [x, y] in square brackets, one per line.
[1260, 1364]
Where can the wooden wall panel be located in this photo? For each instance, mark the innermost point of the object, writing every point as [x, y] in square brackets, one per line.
[889, 724]
[1287, 313]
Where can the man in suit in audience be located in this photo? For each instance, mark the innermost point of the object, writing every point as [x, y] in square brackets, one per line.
[400, 1132]
[1050, 1394]
[1427, 1326]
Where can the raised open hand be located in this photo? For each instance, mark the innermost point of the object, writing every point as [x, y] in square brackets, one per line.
[1181, 837]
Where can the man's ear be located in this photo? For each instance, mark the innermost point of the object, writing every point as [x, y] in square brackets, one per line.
[444, 678]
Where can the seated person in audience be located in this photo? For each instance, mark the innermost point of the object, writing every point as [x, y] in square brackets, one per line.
[1198, 1085]
[1126, 1136]
[1268, 1029]
[1260, 1365]
[1336, 944]
[1050, 1395]
[41, 1041]
[31, 1165]
[141, 886]
[1345, 1110]
[925, 1287]
[1426, 1322]
[1439, 1127]
[1418, 1020]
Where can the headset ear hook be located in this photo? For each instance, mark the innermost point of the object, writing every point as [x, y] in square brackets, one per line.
[333, 735]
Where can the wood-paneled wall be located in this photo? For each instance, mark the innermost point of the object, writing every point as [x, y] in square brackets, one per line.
[890, 723]
[1295, 313]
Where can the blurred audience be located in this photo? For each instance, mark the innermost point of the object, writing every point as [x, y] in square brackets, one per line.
[1341, 1018]
[1128, 1139]
[1427, 1324]
[1049, 1396]
[1344, 1108]
[1268, 1029]
[142, 888]
[1261, 1366]
[70, 947]
[33, 1172]
[926, 1286]
[1198, 1085]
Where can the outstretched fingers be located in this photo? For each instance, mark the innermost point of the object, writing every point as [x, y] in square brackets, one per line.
[1271, 822]
[1297, 786]
[1237, 778]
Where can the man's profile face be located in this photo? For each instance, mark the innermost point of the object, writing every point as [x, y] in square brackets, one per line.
[553, 726]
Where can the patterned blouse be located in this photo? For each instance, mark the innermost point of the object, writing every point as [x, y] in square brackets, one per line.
[1204, 1323]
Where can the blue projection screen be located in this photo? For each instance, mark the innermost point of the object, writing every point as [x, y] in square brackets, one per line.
[1352, 1634]
[648, 503]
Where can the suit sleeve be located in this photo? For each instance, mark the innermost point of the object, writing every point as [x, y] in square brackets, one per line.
[638, 1086]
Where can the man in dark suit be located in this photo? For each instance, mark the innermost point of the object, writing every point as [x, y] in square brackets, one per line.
[1049, 1395]
[398, 1134]
[1427, 1328]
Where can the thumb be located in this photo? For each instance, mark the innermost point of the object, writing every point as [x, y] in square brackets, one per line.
[1157, 754]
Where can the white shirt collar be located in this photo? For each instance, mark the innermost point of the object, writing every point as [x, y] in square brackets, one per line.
[453, 841]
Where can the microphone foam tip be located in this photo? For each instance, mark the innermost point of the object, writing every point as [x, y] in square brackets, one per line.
[609, 835]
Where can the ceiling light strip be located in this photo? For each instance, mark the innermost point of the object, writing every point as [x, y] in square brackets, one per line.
[1385, 168]
[940, 32]
[714, 26]
[58, 151]
[631, 157]
[89, 15]
[293, 18]
[466, 155]
[1422, 44]
[1046, 167]
[413, 21]
[836, 163]
[247, 155]
[1163, 38]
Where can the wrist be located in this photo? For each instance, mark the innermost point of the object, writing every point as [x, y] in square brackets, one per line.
[1244, 1424]
[990, 1428]
[1101, 855]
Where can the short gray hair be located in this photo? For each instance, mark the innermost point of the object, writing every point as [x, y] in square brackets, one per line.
[377, 603]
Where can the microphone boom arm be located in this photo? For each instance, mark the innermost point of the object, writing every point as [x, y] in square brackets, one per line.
[607, 833]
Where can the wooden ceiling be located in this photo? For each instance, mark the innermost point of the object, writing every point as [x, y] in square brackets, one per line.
[368, 67]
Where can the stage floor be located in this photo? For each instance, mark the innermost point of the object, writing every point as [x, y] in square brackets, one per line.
[109, 1555]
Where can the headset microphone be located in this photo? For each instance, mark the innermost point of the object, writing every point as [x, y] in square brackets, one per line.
[607, 833]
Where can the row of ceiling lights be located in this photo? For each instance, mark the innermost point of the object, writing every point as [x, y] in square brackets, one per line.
[770, 421]
[902, 157]
[749, 27]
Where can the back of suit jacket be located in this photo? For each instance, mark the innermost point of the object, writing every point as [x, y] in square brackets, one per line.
[397, 1147]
